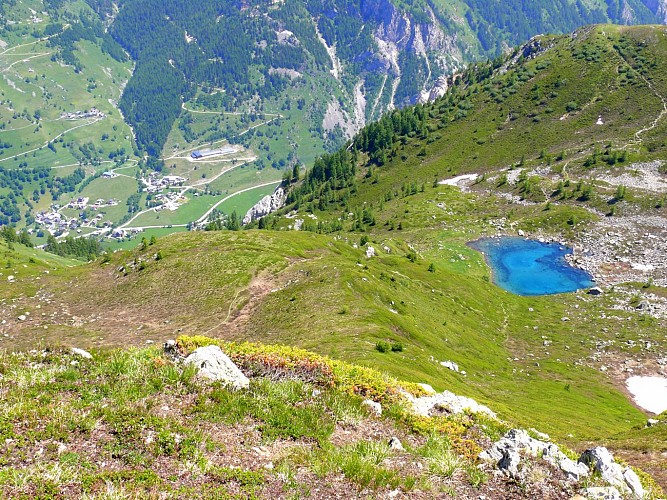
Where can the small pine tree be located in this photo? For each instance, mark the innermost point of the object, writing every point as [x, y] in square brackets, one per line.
[620, 192]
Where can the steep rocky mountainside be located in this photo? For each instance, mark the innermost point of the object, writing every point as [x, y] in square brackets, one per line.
[356, 59]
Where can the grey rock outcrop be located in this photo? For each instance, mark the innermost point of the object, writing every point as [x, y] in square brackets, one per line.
[602, 493]
[269, 204]
[506, 453]
[632, 480]
[214, 364]
[510, 461]
[573, 470]
[625, 479]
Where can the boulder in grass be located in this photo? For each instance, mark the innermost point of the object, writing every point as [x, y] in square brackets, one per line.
[213, 364]
[81, 353]
[374, 407]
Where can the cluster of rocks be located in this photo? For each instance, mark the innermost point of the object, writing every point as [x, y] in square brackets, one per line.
[507, 454]
[445, 402]
[645, 176]
[624, 249]
[510, 453]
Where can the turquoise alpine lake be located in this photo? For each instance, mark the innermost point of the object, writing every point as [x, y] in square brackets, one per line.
[531, 267]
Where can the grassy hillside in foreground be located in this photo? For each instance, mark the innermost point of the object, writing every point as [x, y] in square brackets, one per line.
[133, 424]
[321, 293]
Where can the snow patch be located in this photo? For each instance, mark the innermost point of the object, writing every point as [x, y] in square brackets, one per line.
[455, 181]
[650, 393]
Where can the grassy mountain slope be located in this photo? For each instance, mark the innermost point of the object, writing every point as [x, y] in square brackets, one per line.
[131, 423]
[556, 363]
[547, 107]
[212, 74]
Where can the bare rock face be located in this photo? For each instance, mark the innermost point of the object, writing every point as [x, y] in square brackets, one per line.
[270, 203]
[625, 479]
[213, 364]
[506, 453]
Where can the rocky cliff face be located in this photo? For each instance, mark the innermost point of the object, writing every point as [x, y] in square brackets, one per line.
[661, 10]
[270, 203]
[410, 55]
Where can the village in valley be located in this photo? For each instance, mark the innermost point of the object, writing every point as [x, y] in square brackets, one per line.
[59, 224]
[91, 215]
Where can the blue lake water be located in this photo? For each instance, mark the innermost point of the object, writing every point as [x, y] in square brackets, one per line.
[529, 267]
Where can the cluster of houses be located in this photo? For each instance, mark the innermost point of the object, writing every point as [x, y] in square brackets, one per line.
[167, 201]
[119, 234]
[77, 115]
[81, 203]
[56, 223]
[154, 183]
[104, 203]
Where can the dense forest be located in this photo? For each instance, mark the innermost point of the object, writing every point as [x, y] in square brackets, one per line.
[80, 248]
[179, 45]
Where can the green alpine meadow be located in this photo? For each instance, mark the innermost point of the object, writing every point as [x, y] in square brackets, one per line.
[238, 249]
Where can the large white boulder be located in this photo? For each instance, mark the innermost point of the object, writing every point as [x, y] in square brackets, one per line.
[214, 364]
[448, 401]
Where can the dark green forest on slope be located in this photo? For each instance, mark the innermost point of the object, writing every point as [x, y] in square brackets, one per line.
[233, 45]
